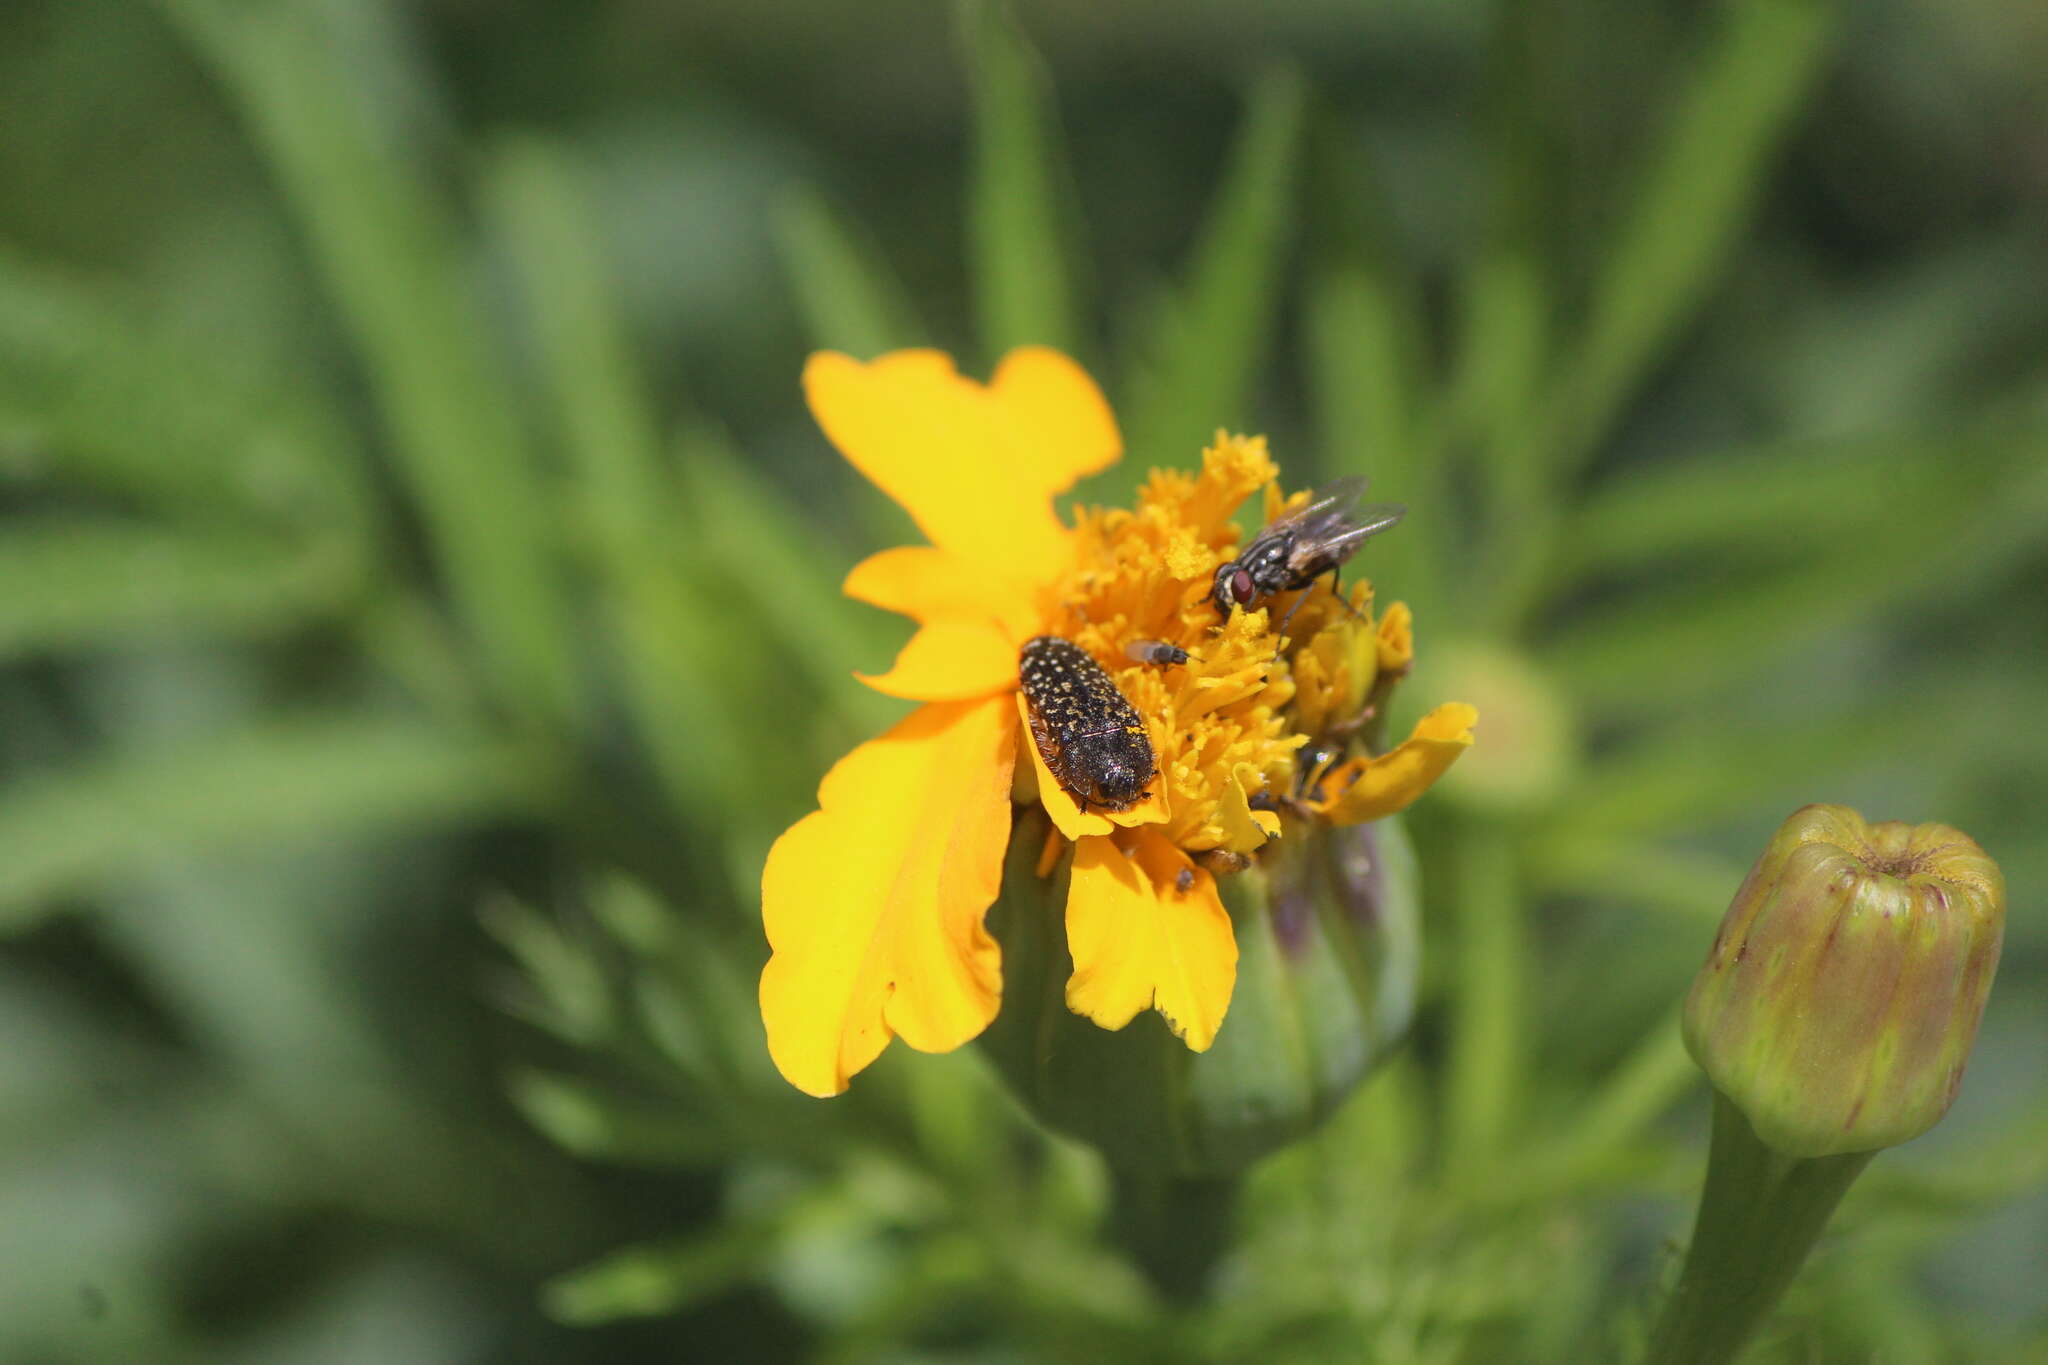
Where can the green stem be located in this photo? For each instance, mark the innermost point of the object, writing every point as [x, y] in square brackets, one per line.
[1760, 1214]
[1175, 1227]
[1488, 1021]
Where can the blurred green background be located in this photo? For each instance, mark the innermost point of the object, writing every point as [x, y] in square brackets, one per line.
[418, 613]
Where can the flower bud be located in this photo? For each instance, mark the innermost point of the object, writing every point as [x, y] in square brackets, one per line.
[1326, 922]
[1843, 992]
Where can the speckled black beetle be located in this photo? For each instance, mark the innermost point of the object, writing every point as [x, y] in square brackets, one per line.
[1092, 739]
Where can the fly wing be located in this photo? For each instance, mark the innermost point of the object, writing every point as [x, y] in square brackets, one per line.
[1334, 536]
[1334, 498]
[1370, 521]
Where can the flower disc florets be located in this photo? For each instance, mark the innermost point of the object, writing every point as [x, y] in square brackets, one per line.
[1231, 726]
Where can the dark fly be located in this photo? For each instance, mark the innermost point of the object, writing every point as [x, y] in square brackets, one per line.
[1091, 738]
[1155, 652]
[1294, 551]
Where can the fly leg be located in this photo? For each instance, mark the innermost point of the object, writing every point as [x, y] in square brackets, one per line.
[1281, 629]
[1336, 591]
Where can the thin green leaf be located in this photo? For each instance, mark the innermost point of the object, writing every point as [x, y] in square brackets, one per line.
[1366, 347]
[1391, 1116]
[393, 266]
[607, 426]
[1992, 1170]
[1504, 323]
[1489, 1041]
[793, 588]
[1679, 777]
[678, 680]
[566, 991]
[849, 300]
[1503, 296]
[66, 832]
[591, 1123]
[1902, 347]
[1665, 648]
[1640, 872]
[621, 487]
[1360, 368]
[1740, 503]
[409, 641]
[1502, 327]
[1206, 349]
[1695, 197]
[1353, 368]
[1022, 289]
[1607, 1121]
[661, 1278]
[1506, 329]
[694, 992]
[76, 581]
[93, 392]
[1661, 647]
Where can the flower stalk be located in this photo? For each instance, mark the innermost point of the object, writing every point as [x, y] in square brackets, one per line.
[1760, 1213]
[1174, 1227]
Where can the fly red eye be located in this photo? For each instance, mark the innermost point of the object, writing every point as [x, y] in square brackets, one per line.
[1241, 587]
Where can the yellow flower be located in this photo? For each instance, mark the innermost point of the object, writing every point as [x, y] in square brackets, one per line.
[873, 904]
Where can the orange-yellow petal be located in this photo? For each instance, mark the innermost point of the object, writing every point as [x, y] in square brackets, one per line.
[1155, 809]
[1049, 853]
[975, 465]
[1057, 413]
[873, 903]
[1068, 817]
[1369, 788]
[1148, 929]
[950, 660]
[930, 584]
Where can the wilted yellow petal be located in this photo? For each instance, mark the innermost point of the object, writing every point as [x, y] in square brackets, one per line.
[1244, 830]
[976, 466]
[1148, 929]
[950, 660]
[1370, 788]
[1397, 638]
[873, 904]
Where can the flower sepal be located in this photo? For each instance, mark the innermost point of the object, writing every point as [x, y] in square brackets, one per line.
[1327, 931]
